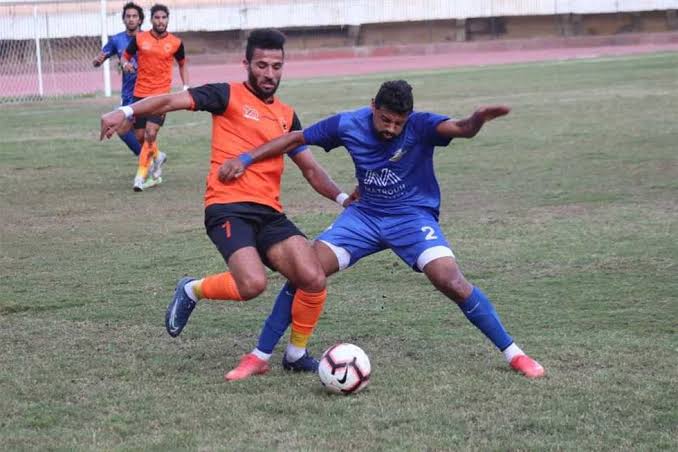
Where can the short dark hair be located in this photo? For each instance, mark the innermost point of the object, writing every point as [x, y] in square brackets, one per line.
[158, 7]
[132, 5]
[395, 95]
[268, 39]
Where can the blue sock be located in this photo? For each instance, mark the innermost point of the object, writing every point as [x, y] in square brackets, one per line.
[277, 322]
[131, 141]
[479, 311]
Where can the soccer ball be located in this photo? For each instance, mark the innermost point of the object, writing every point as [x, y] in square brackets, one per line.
[344, 369]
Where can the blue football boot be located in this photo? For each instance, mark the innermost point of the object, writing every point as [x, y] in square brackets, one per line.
[306, 363]
[179, 310]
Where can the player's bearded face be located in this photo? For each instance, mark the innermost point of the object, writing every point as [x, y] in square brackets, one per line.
[131, 19]
[160, 20]
[387, 124]
[265, 71]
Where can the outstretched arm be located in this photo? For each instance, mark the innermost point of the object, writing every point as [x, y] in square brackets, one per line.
[155, 105]
[235, 167]
[278, 146]
[469, 127]
[325, 133]
[318, 178]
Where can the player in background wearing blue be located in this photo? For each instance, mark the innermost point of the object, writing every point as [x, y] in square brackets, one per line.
[132, 17]
[392, 149]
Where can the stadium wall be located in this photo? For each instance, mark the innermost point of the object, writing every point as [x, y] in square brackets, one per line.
[67, 18]
[330, 40]
[205, 43]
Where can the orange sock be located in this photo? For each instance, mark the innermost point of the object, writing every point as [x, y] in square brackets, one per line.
[219, 287]
[306, 310]
[146, 156]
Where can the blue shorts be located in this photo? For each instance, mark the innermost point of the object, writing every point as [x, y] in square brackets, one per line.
[415, 237]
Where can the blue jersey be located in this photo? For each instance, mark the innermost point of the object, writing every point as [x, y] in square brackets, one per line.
[395, 175]
[116, 45]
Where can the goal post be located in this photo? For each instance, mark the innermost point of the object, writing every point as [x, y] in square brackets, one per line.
[106, 67]
[43, 56]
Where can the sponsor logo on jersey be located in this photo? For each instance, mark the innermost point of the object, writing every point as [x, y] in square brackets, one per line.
[381, 178]
[383, 183]
[398, 155]
[250, 112]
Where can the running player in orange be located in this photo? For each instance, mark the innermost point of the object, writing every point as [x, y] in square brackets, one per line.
[155, 51]
[244, 217]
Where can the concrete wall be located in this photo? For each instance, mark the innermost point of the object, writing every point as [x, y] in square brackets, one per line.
[441, 31]
[21, 19]
[221, 46]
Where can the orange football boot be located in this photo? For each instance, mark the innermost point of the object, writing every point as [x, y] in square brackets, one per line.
[249, 365]
[527, 366]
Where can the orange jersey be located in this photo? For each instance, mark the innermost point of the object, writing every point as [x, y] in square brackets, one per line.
[241, 122]
[155, 56]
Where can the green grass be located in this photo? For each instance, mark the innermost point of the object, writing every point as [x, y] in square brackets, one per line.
[565, 213]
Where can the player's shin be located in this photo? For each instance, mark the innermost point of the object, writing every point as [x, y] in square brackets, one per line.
[277, 322]
[306, 310]
[479, 310]
[145, 160]
[154, 151]
[221, 286]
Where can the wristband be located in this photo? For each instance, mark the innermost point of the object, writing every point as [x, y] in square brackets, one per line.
[341, 197]
[246, 159]
[127, 111]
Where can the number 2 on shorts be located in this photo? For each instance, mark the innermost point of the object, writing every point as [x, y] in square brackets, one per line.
[430, 232]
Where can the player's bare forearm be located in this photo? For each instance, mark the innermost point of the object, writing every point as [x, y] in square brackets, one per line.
[113, 121]
[278, 146]
[183, 73]
[100, 58]
[469, 127]
[158, 105]
[316, 175]
[235, 167]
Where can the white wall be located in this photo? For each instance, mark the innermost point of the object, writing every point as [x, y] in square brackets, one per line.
[65, 19]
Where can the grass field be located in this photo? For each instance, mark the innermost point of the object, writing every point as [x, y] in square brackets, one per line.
[565, 213]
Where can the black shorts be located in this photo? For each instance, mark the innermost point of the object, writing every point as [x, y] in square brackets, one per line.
[140, 122]
[237, 225]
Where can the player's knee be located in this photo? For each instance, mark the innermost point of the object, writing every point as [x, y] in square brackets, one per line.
[311, 280]
[455, 286]
[251, 286]
[460, 288]
[150, 136]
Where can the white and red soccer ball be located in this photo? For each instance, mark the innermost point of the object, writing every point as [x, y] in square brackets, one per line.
[344, 369]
